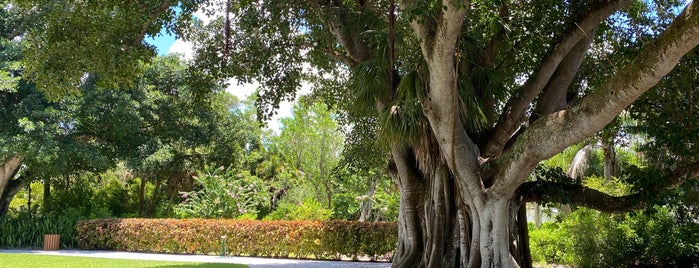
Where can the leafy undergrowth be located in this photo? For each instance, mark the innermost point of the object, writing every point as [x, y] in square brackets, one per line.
[588, 238]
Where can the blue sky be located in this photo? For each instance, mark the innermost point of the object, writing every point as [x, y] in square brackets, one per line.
[162, 42]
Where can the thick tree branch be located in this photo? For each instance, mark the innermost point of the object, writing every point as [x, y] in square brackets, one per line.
[439, 51]
[564, 193]
[424, 30]
[553, 96]
[13, 187]
[8, 170]
[515, 110]
[447, 31]
[490, 53]
[601, 106]
[336, 14]
[555, 132]
[348, 61]
[438, 37]
[165, 5]
[576, 194]
[327, 10]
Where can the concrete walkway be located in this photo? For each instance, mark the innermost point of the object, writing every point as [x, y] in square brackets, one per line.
[252, 262]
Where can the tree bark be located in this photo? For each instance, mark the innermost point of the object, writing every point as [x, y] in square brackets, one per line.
[366, 204]
[514, 112]
[609, 158]
[412, 191]
[10, 167]
[545, 191]
[488, 208]
[520, 238]
[13, 187]
[537, 215]
[47, 193]
[142, 198]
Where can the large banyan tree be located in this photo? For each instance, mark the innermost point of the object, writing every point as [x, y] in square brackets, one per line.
[470, 95]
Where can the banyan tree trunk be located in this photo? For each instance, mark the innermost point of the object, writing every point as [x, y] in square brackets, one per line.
[438, 227]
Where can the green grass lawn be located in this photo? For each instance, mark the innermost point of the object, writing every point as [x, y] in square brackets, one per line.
[37, 260]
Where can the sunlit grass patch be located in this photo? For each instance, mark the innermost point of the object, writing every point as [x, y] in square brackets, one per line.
[37, 260]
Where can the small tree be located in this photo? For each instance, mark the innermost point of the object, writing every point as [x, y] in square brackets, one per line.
[311, 142]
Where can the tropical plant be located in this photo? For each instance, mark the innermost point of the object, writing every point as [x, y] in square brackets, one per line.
[223, 193]
[26, 230]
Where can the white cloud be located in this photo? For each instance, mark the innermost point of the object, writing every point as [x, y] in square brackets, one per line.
[186, 49]
[242, 91]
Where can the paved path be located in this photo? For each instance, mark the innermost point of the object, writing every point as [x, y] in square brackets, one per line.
[252, 262]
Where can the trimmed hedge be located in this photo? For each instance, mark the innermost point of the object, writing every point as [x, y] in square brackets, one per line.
[293, 239]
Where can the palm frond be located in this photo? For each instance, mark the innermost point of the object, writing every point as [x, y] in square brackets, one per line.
[403, 119]
[470, 109]
[479, 88]
[370, 81]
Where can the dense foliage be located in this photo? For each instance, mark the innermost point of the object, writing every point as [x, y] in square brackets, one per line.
[588, 238]
[661, 235]
[137, 149]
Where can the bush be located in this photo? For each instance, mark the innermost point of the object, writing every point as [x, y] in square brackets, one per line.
[296, 239]
[309, 209]
[548, 244]
[665, 241]
[345, 206]
[76, 195]
[121, 197]
[587, 238]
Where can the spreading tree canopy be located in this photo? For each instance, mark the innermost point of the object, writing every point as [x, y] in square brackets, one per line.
[470, 96]
[161, 125]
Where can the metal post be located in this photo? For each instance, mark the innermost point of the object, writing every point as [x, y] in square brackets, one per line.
[223, 246]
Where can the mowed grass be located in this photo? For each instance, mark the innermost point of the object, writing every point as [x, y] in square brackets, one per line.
[36, 260]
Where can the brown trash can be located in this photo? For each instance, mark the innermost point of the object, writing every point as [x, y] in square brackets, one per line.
[52, 241]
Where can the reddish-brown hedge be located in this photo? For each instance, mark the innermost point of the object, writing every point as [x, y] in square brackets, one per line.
[296, 239]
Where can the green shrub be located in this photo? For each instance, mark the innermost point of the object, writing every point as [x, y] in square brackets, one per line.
[309, 209]
[387, 205]
[666, 241]
[247, 216]
[588, 238]
[548, 244]
[19, 202]
[76, 195]
[120, 198]
[345, 206]
[298, 239]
